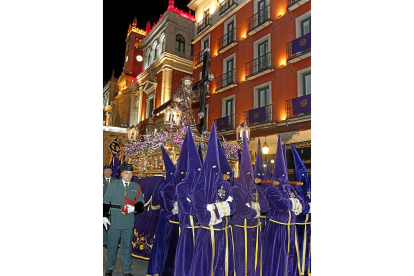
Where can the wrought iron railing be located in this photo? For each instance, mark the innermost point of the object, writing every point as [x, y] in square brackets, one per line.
[203, 24]
[226, 5]
[199, 57]
[256, 120]
[225, 123]
[227, 39]
[297, 54]
[259, 18]
[289, 110]
[259, 65]
[226, 79]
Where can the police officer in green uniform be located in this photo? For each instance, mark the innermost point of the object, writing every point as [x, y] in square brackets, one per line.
[107, 179]
[121, 220]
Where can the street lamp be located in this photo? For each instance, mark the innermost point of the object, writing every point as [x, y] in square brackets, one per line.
[265, 148]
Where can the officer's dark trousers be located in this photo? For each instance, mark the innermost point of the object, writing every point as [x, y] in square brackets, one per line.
[105, 236]
[124, 250]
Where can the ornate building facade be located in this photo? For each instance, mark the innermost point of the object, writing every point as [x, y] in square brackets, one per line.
[168, 57]
[155, 62]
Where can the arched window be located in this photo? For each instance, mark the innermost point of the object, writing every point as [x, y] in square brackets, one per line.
[179, 43]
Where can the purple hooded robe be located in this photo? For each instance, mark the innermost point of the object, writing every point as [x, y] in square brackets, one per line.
[280, 232]
[250, 201]
[213, 254]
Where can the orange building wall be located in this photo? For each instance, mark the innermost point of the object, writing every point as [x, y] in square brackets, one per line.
[284, 82]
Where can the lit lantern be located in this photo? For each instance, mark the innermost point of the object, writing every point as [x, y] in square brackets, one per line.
[172, 117]
[132, 133]
[240, 130]
[265, 148]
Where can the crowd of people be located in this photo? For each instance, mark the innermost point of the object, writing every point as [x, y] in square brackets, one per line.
[212, 224]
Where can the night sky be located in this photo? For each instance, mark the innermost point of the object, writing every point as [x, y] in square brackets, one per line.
[117, 16]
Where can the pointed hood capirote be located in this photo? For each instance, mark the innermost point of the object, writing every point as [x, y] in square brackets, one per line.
[169, 171]
[259, 171]
[246, 180]
[280, 171]
[194, 162]
[300, 169]
[182, 162]
[210, 176]
[225, 166]
[169, 165]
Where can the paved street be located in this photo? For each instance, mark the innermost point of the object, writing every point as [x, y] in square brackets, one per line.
[139, 266]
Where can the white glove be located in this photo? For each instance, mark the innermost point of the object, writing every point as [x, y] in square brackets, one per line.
[294, 206]
[130, 209]
[230, 199]
[299, 205]
[175, 209]
[210, 207]
[106, 223]
[309, 207]
[248, 205]
[189, 200]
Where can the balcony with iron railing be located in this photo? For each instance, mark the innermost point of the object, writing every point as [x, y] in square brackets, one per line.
[227, 41]
[298, 107]
[203, 24]
[225, 123]
[259, 116]
[299, 48]
[259, 20]
[226, 81]
[294, 4]
[260, 66]
[226, 5]
[199, 59]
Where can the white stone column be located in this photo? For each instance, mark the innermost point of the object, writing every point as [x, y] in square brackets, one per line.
[166, 83]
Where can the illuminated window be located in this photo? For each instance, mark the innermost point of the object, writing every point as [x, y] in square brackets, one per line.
[179, 44]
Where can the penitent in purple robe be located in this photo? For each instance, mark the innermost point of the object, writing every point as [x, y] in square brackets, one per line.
[303, 220]
[280, 232]
[171, 207]
[156, 261]
[213, 254]
[188, 222]
[250, 201]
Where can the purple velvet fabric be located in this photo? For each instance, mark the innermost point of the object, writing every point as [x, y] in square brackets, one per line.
[169, 197]
[279, 246]
[156, 261]
[305, 217]
[212, 242]
[247, 193]
[186, 241]
[224, 163]
[259, 170]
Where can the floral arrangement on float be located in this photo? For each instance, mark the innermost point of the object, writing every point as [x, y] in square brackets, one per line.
[152, 142]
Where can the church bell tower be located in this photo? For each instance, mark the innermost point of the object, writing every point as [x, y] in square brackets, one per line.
[133, 60]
